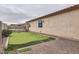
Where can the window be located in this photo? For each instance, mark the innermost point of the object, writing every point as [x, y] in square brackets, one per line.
[40, 23]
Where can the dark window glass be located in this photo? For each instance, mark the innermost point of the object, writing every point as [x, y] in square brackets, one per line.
[40, 23]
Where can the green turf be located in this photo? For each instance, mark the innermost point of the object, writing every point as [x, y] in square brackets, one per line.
[25, 37]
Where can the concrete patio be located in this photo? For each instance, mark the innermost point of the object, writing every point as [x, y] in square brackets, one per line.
[59, 46]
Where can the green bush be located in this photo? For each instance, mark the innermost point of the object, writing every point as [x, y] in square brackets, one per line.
[6, 33]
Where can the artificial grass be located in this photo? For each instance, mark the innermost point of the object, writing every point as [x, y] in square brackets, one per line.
[25, 37]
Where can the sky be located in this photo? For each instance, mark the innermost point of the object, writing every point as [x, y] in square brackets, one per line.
[19, 13]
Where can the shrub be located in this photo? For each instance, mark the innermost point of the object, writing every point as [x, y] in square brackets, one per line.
[6, 33]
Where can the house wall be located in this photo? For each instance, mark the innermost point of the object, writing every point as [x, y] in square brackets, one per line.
[63, 25]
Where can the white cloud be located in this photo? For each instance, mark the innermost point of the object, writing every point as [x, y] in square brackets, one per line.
[18, 13]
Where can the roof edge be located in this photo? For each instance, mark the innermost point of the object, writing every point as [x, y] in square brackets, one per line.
[71, 8]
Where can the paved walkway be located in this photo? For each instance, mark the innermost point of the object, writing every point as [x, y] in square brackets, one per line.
[55, 47]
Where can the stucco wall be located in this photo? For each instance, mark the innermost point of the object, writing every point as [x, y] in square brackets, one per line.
[64, 25]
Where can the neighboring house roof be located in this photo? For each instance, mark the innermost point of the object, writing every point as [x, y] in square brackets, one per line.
[16, 24]
[71, 8]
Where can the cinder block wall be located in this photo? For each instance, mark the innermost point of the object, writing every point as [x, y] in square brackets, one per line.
[17, 27]
[4, 26]
[63, 25]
